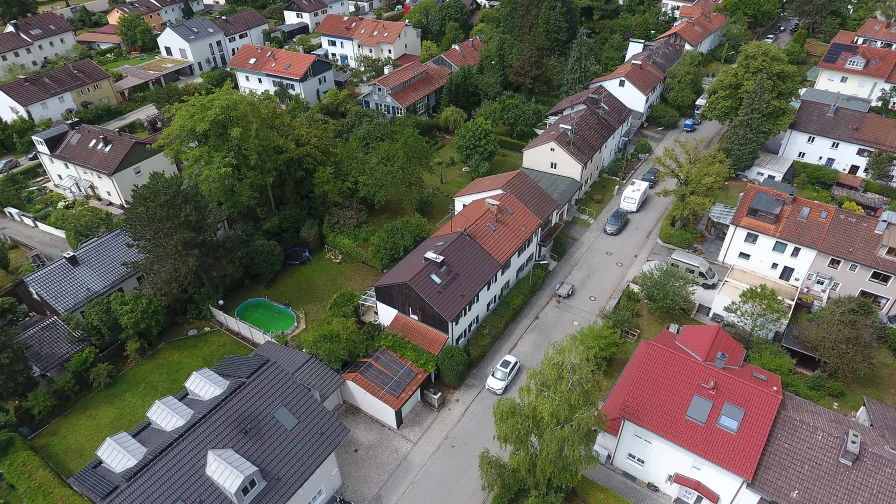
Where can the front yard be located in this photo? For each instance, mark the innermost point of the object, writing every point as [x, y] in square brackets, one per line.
[587, 491]
[70, 442]
[730, 192]
[603, 186]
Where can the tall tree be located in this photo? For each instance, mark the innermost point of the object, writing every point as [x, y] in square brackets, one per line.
[475, 142]
[187, 10]
[756, 13]
[729, 90]
[462, 90]
[423, 17]
[12, 9]
[140, 314]
[134, 32]
[684, 82]
[698, 175]
[743, 140]
[579, 67]
[666, 289]
[15, 370]
[513, 111]
[879, 165]
[429, 50]
[758, 311]
[454, 34]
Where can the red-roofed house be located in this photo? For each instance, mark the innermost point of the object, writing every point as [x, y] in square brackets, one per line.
[876, 33]
[697, 29]
[383, 385]
[347, 39]
[688, 414]
[856, 70]
[413, 87]
[418, 333]
[464, 54]
[259, 69]
[638, 83]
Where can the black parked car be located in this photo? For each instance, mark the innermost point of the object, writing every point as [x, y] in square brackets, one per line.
[617, 222]
[31, 156]
[651, 176]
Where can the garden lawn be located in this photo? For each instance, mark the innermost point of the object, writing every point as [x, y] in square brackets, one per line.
[30, 480]
[880, 384]
[70, 442]
[729, 193]
[604, 186]
[17, 259]
[116, 64]
[310, 286]
[587, 491]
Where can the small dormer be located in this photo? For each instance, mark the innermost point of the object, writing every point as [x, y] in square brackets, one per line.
[857, 62]
[204, 384]
[120, 451]
[168, 414]
[765, 207]
[238, 478]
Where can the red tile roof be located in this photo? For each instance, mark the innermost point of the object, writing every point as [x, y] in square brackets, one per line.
[877, 131]
[697, 28]
[464, 54]
[401, 74]
[418, 333]
[501, 233]
[696, 486]
[107, 34]
[366, 31]
[10, 41]
[521, 185]
[660, 381]
[379, 389]
[406, 59]
[485, 184]
[879, 63]
[338, 26]
[272, 61]
[705, 343]
[844, 37]
[850, 180]
[878, 30]
[809, 232]
[852, 237]
[639, 73]
[433, 80]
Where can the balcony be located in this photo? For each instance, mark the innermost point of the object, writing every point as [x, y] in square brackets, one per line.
[815, 290]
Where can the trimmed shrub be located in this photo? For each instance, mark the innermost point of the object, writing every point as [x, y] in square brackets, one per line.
[663, 115]
[677, 237]
[394, 16]
[559, 247]
[349, 249]
[102, 375]
[453, 365]
[396, 239]
[4, 257]
[882, 189]
[642, 147]
[808, 174]
[404, 348]
[344, 304]
[510, 144]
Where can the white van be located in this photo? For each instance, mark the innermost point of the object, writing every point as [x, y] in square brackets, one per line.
[634, 195]
[695, 266]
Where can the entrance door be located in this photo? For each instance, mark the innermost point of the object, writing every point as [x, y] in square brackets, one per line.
[853, 169]
[830, 162]
[786, 273]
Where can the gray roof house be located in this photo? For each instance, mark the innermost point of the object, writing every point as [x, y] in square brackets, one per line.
[50, 345]
[97, 268]
[247, 430]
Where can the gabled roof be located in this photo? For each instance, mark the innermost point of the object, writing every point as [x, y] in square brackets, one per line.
[464, 54]
[801, 460]
[519, 184]
[305, 5]
[273, 61]
[101, 149]
[366, 31]
[45, 85]
[485, 184]
[582, 133]
[99, 36]
[696, 28]
[877, 132]
[574, 100]
[809, 232]
[706, 342]
[883, 419]
[663, 54]
[401, 75]
[816, 119]
[336, 25]
[307, 370]
[878, 30]
[241, 419]
[241, 21]
[50, 343]
[638, 73]
[142, 7]
[386, 376]
[878, 63]
[500, 229]
[418, 333]
[830, 98]
[196, 28]
[433, 78]
[41, 26]
[561, 188]
[852, 237]
[102, 263]
[661, 380]
[467, 268]
[10, 41]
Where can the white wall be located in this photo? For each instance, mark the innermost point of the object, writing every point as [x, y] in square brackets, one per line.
[628, 94]
[327, 477]
[26, 56]
[762, 257]
[9, 109]
[53, 46]
[354, 394]
[385, 313]
[710, 42]
[312, 19]
[855, 85]
[126, 180]
[339, 49]
[259, 83]
[821, 148]
[175, 12]
[461, 202]
[195, 51]
[53, 108]
[334, 400]
[409, 405]
[253, 36]
[540, 158]
[663, 458]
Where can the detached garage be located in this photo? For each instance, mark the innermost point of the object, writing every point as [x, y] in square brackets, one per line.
[383, 385]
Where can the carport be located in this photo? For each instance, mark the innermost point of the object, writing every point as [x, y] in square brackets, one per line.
[155, 72]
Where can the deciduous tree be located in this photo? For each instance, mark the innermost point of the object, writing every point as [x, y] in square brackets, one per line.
[454, 34]
[15, 370]
[396, 239]
[879, 165]
[188, 13]
[140, 314]
[422, 16]
[134, 32]
[514, 112]
[335, 342]
[666, 289]
[685, 82]
[758, 311]
[429, 50]
[475, 142]
[452, 118]
[12, 9]
[580, 67]
[756, 13]
[462, 90]
[451, 11]
[698, 175]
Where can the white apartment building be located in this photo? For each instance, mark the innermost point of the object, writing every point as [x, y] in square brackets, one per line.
[172, 11]
[310, 12]
[211, 44]
[259, 69]
[856, 70]
[640, 81]
[35, 39]
[349, 39]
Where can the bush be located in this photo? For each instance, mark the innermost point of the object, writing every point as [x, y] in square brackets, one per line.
[82, 360]
[677, 237]
[808, 174]
[496, 322]
[335, 342]
[345, 217]
[404, 348]
[891, 343]
[642, 147]
[882, 189]
[344, 304]
[559, 247]
[310, 234]
[65, 388]
[453, 364]
[99, 114]
[133, 349]
[625, 315]
[396, 239]
[102, 375]
[42, 403]
[4, 257]
[350, 249]
[852, 206]
[394, 16]
[663, 115]
[510, 144]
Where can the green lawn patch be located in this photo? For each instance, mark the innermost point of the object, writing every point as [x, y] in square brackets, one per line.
[17, 258]
[70, 442]
[582, 222]
[814, 194]
[729, 193]
[30, 479]
[603, 186]
[506, 161]
[587, 491]
[879, 384]
[116, 64]
[310, 286]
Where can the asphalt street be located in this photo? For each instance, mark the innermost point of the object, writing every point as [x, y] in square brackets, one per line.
[443, 466]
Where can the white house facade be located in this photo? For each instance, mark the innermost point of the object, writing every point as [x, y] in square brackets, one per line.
[172, 11]
[310, 12]
[259, 69]
[34, 39]
[639, 82]
[348, 39]
[198, 40]
[856, 70]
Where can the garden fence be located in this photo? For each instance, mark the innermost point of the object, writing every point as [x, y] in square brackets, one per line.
[245, 330]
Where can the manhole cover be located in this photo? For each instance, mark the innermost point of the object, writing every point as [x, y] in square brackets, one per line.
[619, 264]
[592, 298]
[575, 322]
[609, 253]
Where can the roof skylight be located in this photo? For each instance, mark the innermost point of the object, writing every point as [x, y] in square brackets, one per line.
[699, 408]
[731, 417]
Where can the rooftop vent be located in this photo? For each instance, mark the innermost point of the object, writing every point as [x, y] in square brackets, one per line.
[721, 358]
[491, 227]
[205, 384]
[168, 414]
[120, 451]
[850, 451]
[432, 256]
[70, 258]
[234, 475]
[884, 219]
[492, 202]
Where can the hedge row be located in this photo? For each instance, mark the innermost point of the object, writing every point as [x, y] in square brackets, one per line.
[510, 144]
[394, 16]
[495, 323]
[31, 477]
[404, 348]
[882, 189]
[350, 249]
[677, 237]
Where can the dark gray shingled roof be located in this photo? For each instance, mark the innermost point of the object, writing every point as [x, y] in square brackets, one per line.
[51, 83]
[309, 371]
[241, 418]
[50, 343]
[102, 264]
[800, 462]
[561, 188]
[196, 28]
[241, 21]
[883, 419]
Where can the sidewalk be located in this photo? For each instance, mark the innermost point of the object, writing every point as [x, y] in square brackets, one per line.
[624, 488]
[51, 246]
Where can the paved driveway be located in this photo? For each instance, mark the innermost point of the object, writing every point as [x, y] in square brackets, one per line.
[442, 465]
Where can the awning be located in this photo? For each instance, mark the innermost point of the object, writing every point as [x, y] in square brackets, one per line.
[696, 486]
[722, 213]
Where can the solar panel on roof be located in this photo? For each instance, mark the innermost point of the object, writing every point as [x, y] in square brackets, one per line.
[389, 362]
[403, 380]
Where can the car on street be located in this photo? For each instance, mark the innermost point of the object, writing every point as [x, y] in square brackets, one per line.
[795, 27]
[616, 223]
[502, 374]
[651, 176]
[564, 289]
[769, 39]
[8, 164]
[31, 156]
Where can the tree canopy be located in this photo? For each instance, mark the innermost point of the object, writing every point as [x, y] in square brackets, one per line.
[134, 32]
[758, 311]
[756, 13]
[698, 175]
[475, 142]
[666, 289]
[12, 9]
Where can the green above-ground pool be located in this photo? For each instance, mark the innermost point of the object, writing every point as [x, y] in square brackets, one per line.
[266, 315]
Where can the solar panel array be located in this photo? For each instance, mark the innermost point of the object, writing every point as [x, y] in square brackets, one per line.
[836, 49]
[388, 373]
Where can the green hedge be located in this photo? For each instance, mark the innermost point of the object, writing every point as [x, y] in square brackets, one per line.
[394, 16]
[495, 323]
[404, 348]
[32, 478]
[678, 237]
[878, 188]
[350, 249]
[815, 175]
[510, 144]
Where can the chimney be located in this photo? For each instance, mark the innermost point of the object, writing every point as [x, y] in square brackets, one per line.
[456, 47]
[634, 47]
[387, 69]
[15, 25]
[636, 63]
[711, 386]
[302, 49]
[103, 142]
[721, 358]
[850, 451]
[471, 43]
[70, 258]
[227, 21]
[74, 123]
[493, 206]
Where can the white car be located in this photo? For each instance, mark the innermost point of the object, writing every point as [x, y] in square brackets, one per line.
[502, 374]
[769, 39]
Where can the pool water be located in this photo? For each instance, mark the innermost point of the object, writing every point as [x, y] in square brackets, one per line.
[266, 315]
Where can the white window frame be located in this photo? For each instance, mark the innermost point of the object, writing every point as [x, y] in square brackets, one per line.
[878, 282]
[634, 460]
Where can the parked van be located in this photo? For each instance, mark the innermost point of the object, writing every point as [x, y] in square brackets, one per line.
[695, 266]
[634, 195]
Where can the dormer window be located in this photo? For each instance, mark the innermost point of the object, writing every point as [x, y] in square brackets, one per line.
[238, 478]
[762, 215]
[856, 62]
[247, 489]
